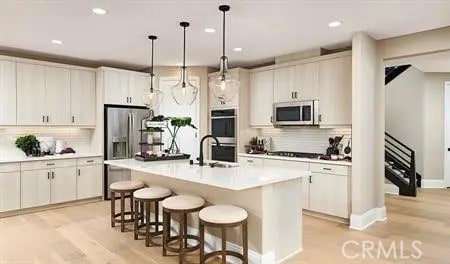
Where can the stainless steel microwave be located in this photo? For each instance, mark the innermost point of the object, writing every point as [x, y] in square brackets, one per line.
[296, 113]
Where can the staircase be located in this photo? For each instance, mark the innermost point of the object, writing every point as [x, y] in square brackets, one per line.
[390, 73]
[400, 166]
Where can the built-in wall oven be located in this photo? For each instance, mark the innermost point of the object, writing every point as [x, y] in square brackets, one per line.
[223, 127]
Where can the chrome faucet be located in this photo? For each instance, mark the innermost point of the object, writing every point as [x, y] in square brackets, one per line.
[200, 158]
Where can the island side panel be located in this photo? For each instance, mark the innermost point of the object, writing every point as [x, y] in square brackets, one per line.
[282, 220]
[249, 199]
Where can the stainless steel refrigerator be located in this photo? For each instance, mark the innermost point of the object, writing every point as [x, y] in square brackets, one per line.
[122, 137]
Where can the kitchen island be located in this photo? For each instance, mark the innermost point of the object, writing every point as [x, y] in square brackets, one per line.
[271, 196]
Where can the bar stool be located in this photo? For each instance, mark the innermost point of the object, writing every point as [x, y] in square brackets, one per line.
[144, 198]
[123, 188]
[223, 217]
[181, 205]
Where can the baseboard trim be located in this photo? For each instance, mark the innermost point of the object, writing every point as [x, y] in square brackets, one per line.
[433, 184]
[391, 188]
[361, 222]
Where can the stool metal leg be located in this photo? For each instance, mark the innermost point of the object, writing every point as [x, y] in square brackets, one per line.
[122, 212]
[245, 242]
[142, 213]
[131, 205]
[202, 243]
[224, 245]
[147, 224]
[156, 216]
[113, 208]
[185, 230]
[136, 220]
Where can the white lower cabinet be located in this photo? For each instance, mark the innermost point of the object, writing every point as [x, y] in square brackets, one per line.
[89, 181]
[9, 187]
[35, 188]
[63, 185]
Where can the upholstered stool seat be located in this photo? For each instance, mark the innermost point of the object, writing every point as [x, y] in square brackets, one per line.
[181, 205]
[124, 188]
[223, 217]
[144, 198]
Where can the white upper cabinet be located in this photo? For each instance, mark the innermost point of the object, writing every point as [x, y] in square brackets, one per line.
[7, 93]
[31, 94]
[82, 97]
[116, 87]
[261, 98]
[57, 96]
[335, 91]
[122, 87]
[139, 84]
[284, 84]
[306, 81]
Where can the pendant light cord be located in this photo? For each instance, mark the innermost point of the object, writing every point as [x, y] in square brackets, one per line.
[184, 48]
[151, 70]
[223, 35]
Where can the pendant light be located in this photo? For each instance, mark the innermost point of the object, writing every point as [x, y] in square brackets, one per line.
[154, 97]
[224, 86]
[184, 92]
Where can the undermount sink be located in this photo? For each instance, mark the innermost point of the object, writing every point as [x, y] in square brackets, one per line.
[217, 164]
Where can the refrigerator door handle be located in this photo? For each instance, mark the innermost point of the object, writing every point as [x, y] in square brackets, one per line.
[129, 135]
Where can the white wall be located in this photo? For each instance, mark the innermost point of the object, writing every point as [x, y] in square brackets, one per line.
[405, 111]
[367, 178]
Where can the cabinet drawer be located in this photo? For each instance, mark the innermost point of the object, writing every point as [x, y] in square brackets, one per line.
[10, 167]
[47, 164]
[287, 164]
[329, 169]
[251, 161]
[89, 161]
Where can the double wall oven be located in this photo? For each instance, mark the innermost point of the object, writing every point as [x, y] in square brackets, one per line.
[223, 127]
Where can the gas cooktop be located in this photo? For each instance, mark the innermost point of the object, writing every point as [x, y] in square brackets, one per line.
[294, 154]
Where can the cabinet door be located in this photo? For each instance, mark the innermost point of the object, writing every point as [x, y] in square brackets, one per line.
[57, 96]
[64, 185]
[116, 87]
[89, 181]
[82, 97]
[335, 91]
[139, 84]
[34, 188]
[7, 93]
[283, 84]
[216, 103]
[307, 81]
[30, 94]
[9, 191]
[329, 194]
[261, 98]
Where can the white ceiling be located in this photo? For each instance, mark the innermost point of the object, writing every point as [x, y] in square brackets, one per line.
[263, 29]
[436, 62]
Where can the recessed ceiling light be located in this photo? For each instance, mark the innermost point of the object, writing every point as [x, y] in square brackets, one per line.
[237, 49]
[57, 41]
[335, 23]
[210, 30]
[99, 11]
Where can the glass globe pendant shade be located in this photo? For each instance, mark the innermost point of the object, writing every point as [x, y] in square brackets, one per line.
[184, 92]
[224, 87]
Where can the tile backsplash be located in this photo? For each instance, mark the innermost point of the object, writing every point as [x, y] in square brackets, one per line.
[77, 138]
[304, 139]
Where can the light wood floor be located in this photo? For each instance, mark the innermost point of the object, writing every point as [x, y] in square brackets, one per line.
[82, 234]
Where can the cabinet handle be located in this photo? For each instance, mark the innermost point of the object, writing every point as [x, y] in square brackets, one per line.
[73, 119]
[89, 161]
[131, 99]
[320, 117]
[310, 179]
[43, 119]
[327, 169]
[296, 95]
[292, 95]
[79, 172]
[50, 164]
[47, 119]
[48, 175]
[250, 161]
[271, 119]
[53, 174]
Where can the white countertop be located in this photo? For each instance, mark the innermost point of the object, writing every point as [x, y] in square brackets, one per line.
[235, 178]
[264, 156]
[48, 157]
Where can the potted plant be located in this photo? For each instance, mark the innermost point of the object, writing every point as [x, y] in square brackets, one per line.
[28, 144]
[177, 123]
